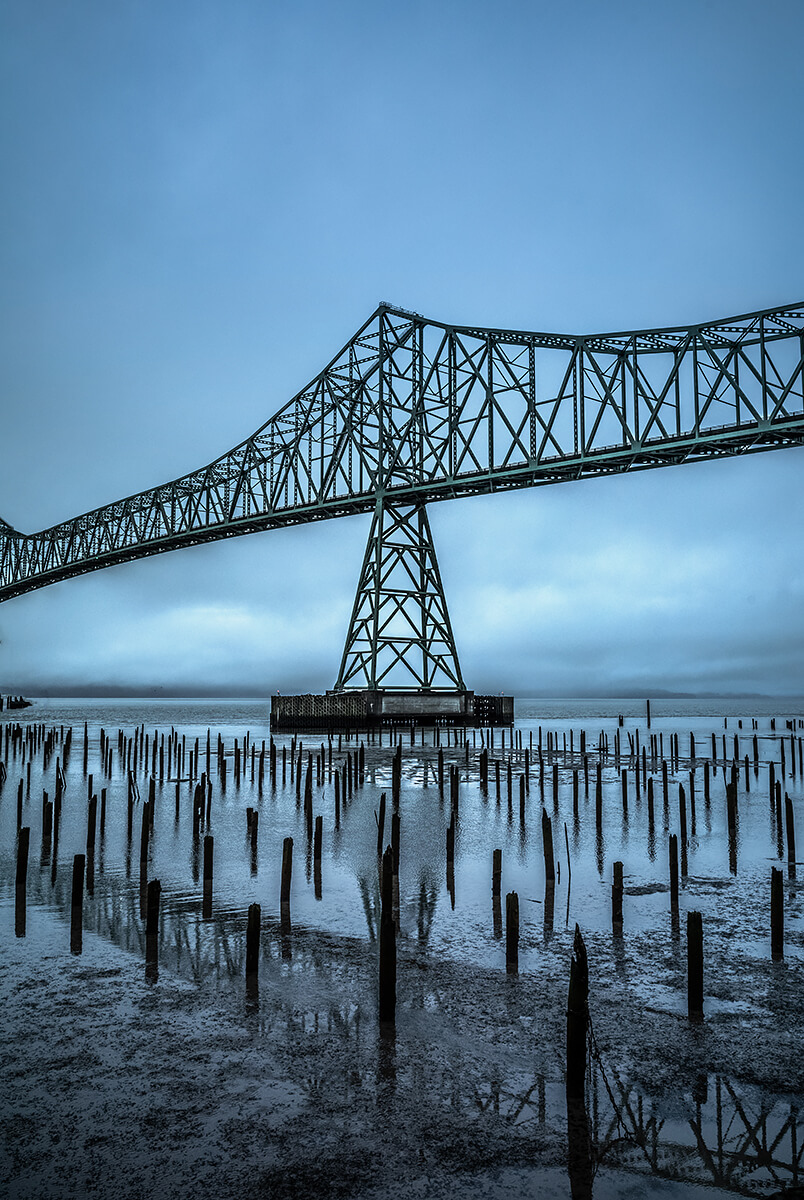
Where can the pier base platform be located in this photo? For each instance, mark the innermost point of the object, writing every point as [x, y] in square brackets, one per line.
[367, 709]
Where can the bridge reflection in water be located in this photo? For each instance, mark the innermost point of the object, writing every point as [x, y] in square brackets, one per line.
[715, 1131]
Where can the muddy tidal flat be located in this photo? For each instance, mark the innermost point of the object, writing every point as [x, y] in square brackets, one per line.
[131, 1067]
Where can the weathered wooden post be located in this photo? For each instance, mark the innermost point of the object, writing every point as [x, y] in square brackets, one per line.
[77, 904]
[152, 930]
[673, 872]
[152, 908]
[381, 826]
[547, 847]
[695, 966]
[318, 839]
[253, 942]
[682, 813]
[512, 933]
[577, 1018]
[387, 997]
[206, 904]
[617, 898]
[777, 914]
[791, 832]
[287, 871]
[91, 825]
[496, 872]
[23, 839]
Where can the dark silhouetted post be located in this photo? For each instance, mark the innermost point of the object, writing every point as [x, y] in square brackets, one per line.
[791, 832]
[253, 941]
[152, 908]
[496, 872]
[577, 1018]
[547, 847]
[387, 943]
[287, 871]
[77, 905]
[673, 872]
[318, 838]
[381, 826]
[617, 897]
[512, 933]
[777, 914]
[695, 966]
[209, 844]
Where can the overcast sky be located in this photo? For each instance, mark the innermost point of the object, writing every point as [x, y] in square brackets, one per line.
[200, 202]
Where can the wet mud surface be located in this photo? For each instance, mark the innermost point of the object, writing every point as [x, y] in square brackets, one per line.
[118, 1087]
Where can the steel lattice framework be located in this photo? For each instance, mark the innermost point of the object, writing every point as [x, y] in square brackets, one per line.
[400, 627]
[413, 411]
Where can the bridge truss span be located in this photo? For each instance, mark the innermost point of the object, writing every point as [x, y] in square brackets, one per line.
[414, 410]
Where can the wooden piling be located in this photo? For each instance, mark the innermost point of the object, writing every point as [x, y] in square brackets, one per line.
[152, 908]
[777, 914]
[77, 904]
[673, 850]
[617, 897]
[253, 941]
[91, 825]
[682, 813]
[496, 872]
[23, 840]
[318, 839]
[547, 847]
[287, 870]
[512, 933]
[695, 966]
[381, 826]
[791, 831]
[387, 989]
[577, 1019]
[209, 845]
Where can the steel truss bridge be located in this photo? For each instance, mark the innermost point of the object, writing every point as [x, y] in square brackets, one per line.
[412, 411]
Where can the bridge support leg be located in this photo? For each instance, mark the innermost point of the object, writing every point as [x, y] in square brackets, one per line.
[400, 634]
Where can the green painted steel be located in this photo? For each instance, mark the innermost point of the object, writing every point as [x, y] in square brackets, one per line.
[400, 630]
[412, 411]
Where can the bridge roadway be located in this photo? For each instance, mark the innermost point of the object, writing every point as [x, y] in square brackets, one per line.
[413, 411]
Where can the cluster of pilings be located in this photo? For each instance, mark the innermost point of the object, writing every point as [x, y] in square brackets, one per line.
[542, 762]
